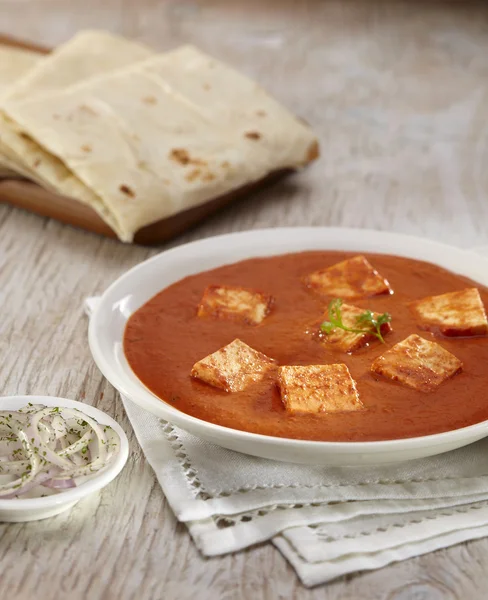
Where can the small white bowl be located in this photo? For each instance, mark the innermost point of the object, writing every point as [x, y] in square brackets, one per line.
[32, 509]
[137, 286]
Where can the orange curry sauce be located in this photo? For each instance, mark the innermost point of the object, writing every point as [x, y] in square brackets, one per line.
[164, 338]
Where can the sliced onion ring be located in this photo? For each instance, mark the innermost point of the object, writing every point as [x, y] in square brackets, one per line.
[54, 447]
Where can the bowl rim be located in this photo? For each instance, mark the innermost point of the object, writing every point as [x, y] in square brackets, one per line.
[145, 398]
[92, 485]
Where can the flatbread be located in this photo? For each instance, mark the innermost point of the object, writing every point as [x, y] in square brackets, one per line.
[146, 147]
[12, 170]
[14, 62]
[87, 54]
[224, 95]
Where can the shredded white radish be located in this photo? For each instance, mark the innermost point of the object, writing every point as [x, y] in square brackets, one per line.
[53, 447]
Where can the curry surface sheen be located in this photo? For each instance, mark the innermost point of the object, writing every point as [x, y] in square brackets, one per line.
[164, 338]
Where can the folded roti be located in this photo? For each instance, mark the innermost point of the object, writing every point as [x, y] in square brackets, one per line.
[11, 170]
[14, 63]
[141, 144]
[87, 54]
[224, 95]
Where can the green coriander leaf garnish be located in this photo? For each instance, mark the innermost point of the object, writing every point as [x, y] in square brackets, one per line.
[367, 322]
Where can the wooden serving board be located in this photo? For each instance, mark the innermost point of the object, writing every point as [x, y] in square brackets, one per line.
[30, 196]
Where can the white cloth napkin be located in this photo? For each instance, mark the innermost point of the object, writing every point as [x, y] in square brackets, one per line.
[326, 521]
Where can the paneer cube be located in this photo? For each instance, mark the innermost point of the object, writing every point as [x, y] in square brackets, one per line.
[240, 304]
[347, 341]
[454, 314]
[352, 278]
[417, 363]
[318, 389]
[233, 368]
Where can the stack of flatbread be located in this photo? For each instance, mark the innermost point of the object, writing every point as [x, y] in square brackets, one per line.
[14, 62]
[139, 136]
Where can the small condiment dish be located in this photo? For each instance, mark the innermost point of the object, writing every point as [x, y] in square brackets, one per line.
[35, 508]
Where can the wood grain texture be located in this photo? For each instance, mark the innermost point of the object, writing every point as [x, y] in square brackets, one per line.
[397, 92]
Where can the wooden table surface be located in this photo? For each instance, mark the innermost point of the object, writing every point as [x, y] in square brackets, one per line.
[398, 93]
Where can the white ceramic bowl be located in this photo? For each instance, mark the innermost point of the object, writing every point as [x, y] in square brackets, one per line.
[139, 284]
[33, 509]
